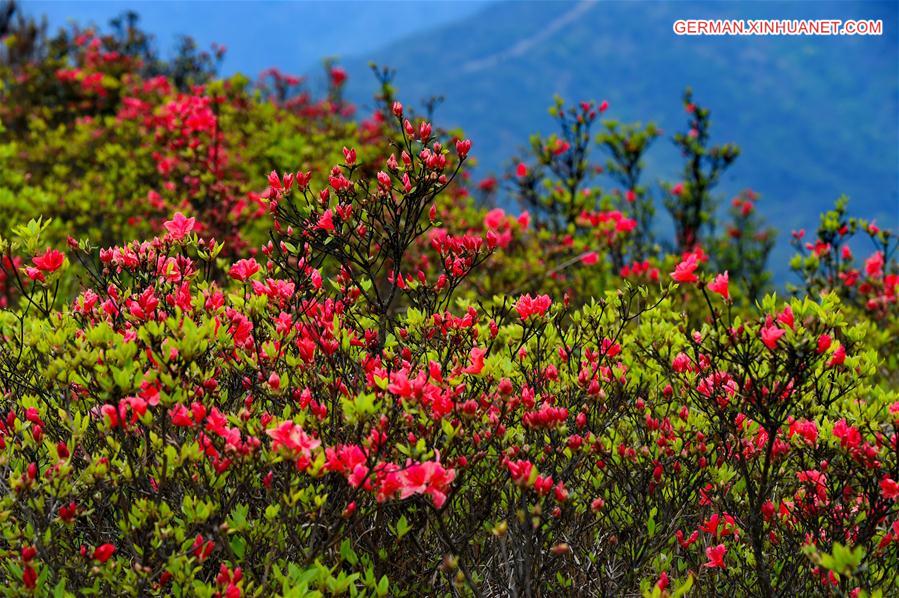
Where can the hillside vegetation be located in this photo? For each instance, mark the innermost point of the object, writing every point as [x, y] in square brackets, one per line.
[254, 343]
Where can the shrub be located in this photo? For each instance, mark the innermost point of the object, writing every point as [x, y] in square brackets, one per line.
[104, 138]
[404, 391]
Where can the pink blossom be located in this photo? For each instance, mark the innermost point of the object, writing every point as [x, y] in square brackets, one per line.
[326, 221]
[293, 438]
[715, 554]
[494, 219]
[179, 226]
[50, 261]
[874, 265]
[528, 306]
[476, 365]
[889, 488]
[720, 285]
[244, 269]
[429, 478]
[770, 335]
[684, 272]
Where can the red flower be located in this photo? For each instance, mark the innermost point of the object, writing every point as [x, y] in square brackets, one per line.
[849, 436]
[786, 317]
[302, 179]
[720, 285]
[67, 512]
[274, 181]
[180, 416]
[521, 472]
[50, 261]
[689, 541]
[202, 549]
[326, 221]
[179, 226]
[807, 429]
[681, 363]
[35, 274]
[528, 306]
[561, 147]
[677, 189]
[477, 361]
[488, 185]
[29, 577]
[292, 437]
[494, 219]
[838, 357]
[524, 220]
[339, 183]
[874, 265]
[770, 336]
[889, 488]
[111, 413]
[103, 552]
[338, 76]
[521, 170]
[684, 272]
[426, 478]
[244, 269]
[715, 554]
[463, 147]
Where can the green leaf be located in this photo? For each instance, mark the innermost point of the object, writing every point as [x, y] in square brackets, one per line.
[402, 527]
[682, 590]
[347, 553]
[844, 560]
[383, 586]
[238, 546]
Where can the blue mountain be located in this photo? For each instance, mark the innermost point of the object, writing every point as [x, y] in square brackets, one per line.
[815, 117]
[292, 36]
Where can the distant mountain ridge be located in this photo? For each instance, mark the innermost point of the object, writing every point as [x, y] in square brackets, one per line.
[260, 34]
[815, 116]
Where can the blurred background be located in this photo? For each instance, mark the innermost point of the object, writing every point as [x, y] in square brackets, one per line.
[816, 117]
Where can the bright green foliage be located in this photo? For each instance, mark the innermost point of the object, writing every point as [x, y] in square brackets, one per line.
[312, 364]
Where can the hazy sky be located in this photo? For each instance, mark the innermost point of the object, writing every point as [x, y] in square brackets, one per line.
[295, 35]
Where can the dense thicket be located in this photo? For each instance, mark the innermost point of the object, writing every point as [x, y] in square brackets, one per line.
[250, 346]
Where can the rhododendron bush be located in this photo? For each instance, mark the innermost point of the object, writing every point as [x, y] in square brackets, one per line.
[357, 378]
